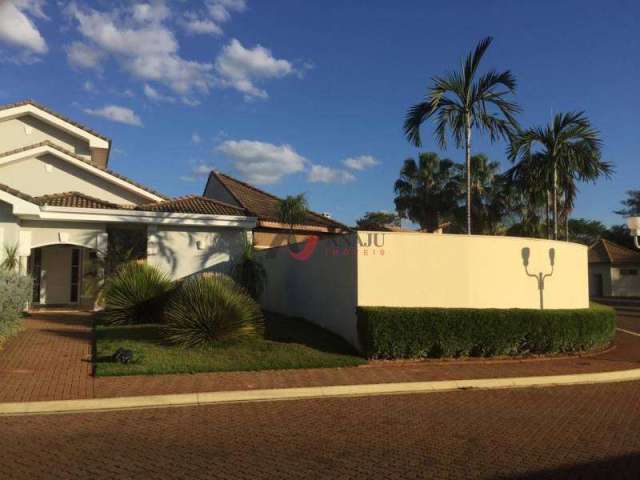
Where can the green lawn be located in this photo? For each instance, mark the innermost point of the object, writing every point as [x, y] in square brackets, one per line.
[288, 343]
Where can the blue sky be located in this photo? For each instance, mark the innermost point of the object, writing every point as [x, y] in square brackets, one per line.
[309, 96]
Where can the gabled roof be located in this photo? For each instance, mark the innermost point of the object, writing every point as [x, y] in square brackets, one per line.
[264, 205]
[604, 251]
[74, 200]
[194, 204]
[57, 148]
[39, 106]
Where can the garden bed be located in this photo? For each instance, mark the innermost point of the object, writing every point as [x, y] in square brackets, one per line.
[288, 343]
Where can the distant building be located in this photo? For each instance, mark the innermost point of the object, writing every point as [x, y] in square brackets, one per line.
[614, 270]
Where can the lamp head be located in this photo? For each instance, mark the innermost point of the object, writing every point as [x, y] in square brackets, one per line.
[525, 256]
[634, 225]
[552, 256]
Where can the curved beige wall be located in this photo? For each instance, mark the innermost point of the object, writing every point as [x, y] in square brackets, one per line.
[427, 270]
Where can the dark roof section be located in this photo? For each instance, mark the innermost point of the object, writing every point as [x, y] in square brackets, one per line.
[604, 251]
[194, 204]
[75, 200]
[16, 193]
[264, 205]
[55, 114]
[83, 160]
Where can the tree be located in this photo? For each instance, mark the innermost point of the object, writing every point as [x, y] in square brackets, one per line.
[631, 204]
[426, 192]
[586, 231]
[557, 155]
[459, 102]
[377, 221]
[293, 209]
[490, 196]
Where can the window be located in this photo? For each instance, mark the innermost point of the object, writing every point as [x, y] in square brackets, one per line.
[36, 270]
[75, 274]
[628, 271]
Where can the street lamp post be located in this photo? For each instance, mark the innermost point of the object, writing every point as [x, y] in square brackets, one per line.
[634, 226]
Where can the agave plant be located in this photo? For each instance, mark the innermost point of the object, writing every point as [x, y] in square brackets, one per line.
[136, 294]
[249, 272]
[210, 307]
[11, 259]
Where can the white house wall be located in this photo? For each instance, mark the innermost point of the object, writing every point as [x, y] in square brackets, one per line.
[625, 285]
[51, 233]
[28, 130]
[48, 174]
[183, 251]
[8, 228]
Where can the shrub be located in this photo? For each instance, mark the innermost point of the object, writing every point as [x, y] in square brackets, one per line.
[389, 332]
[249, 272]
[136, 294]
[209, 307]
[15, 292]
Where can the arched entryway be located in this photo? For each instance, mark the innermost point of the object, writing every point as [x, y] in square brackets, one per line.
[62, 274]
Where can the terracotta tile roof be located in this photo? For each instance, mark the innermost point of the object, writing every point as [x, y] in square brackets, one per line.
[16, 193]
[604, 251]
[194, 204]
[266, 206]
[55, 114]
[75, 200]
[84, 160]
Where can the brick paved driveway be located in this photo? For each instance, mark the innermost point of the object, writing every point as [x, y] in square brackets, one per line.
[49, 361]
[564, 432]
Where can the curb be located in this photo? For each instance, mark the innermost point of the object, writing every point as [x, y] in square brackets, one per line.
[281, 394]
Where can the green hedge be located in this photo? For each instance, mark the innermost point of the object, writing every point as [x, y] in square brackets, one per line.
[15, 291]
[390, 332]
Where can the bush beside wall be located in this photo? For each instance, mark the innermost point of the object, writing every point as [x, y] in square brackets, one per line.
[390, 332]
[15, 292]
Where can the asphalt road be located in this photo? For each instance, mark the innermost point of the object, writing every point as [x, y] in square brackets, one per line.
[562, 432]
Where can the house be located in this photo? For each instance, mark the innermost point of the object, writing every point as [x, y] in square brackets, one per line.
[614, 270]
[64, 209]
[269, 231]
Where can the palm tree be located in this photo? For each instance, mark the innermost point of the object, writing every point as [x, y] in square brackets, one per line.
[11, 259]
[426, 192]
[490, 197]
[557, 155]
[460, 103]
[292, 210]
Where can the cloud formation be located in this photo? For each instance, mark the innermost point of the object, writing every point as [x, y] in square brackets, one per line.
[262, 163]
[323, 174]
[208, 21]
[240, 68]
[360, 163]
[141, 42]
[18, 30]
[116, 113]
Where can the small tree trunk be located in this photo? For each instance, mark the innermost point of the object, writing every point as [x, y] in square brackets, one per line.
[467, 153]
[555, 201]
[547, 214]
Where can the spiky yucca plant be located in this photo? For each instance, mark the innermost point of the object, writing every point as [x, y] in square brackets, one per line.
[209, 307]
[249, 272]
[136, 294]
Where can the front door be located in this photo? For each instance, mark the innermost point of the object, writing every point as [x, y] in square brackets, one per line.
[59, 275]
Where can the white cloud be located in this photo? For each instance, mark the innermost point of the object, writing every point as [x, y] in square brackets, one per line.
[262, 163]
[221, 10]
[116, 113]
[197, 171]
[239, 67]
[322, 174]
[196, 138]
[153, 94]
[196, 25]
[88, 86]
[17, 29]
[360, 163]
[80, 54]
[143, 45]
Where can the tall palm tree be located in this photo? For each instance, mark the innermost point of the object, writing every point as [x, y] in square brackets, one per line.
[292, 210]
[566, 150]
[461, 102]
[426, 192]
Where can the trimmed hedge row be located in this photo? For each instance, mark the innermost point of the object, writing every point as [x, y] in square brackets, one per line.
[391, 332]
